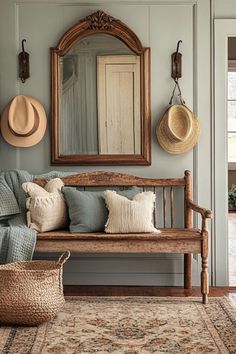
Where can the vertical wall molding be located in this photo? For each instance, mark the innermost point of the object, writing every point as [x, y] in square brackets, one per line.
[223, 28]
[201, 105]
[213, 249]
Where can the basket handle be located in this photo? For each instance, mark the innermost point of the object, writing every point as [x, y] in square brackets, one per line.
[63, 258]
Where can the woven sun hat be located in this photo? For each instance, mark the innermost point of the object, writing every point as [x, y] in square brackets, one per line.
[178, 130]
[23, 121]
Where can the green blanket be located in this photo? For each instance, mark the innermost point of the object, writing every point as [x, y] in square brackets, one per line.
[17, 241]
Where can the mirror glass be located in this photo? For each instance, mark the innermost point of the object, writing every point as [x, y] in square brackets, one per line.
[99, 92]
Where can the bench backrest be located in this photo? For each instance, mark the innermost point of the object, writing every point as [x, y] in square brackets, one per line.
[162, 187]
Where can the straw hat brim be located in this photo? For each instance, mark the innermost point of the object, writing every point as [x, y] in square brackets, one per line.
[174, 147]
[25, 141]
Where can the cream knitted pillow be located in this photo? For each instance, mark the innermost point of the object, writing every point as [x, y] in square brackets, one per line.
[46, 206]
[129, 216]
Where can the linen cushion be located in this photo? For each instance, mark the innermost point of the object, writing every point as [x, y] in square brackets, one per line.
[129, 216]
[87, 210]
[46, 206]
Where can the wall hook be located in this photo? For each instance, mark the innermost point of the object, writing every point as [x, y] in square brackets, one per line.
[22, 45]
[177, 49]
[23, 59]
[176, 63]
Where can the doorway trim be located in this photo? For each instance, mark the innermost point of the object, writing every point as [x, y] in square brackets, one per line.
[224, 28]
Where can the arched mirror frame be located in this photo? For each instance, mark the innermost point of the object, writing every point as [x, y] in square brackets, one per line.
[100, 22]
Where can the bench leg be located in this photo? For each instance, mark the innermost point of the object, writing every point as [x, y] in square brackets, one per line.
[204, 273]
[187, 271]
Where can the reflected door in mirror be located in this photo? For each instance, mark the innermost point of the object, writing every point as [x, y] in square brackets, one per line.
[119, 104]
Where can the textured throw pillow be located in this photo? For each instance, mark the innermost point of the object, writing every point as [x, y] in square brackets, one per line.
[46, 206]
[129, 216]
[87, 210]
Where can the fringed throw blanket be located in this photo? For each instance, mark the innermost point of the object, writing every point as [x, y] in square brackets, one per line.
[17, 241]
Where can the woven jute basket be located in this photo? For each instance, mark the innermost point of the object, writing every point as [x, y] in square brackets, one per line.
[31, 292]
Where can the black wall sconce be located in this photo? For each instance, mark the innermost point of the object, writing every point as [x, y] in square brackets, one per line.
[176, 60]
[23, 57]
[176, 73]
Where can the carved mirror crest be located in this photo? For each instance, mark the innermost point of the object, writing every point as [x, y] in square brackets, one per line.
[100, 98]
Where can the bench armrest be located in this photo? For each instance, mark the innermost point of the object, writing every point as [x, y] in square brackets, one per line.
[205, 213]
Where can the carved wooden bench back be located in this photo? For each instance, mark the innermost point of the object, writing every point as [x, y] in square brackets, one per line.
[167, 210]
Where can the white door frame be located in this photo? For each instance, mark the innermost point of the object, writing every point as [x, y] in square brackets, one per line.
[224, 28]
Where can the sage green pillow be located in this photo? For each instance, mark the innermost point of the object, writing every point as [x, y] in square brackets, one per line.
[88, 211]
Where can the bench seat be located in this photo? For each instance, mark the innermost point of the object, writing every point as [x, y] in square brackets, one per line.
[172, 240]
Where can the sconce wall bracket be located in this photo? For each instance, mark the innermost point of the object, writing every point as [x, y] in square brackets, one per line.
[23, 58]
[176, 63]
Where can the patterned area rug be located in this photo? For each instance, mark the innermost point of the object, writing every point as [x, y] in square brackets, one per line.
[129, 325]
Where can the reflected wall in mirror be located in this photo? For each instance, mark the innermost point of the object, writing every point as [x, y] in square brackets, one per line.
[100, 95]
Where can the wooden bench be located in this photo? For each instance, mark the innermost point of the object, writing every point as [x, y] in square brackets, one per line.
[186, 240]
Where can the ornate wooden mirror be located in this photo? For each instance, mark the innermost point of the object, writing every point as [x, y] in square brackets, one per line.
[100, 98]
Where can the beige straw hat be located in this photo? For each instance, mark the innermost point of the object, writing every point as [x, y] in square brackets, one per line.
[178, 130]
[23, 121]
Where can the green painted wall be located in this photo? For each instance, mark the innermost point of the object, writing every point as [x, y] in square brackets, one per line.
[159, 25]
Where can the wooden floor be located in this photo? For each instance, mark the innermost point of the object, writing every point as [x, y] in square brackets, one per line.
[98, 290]
[75, 290]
